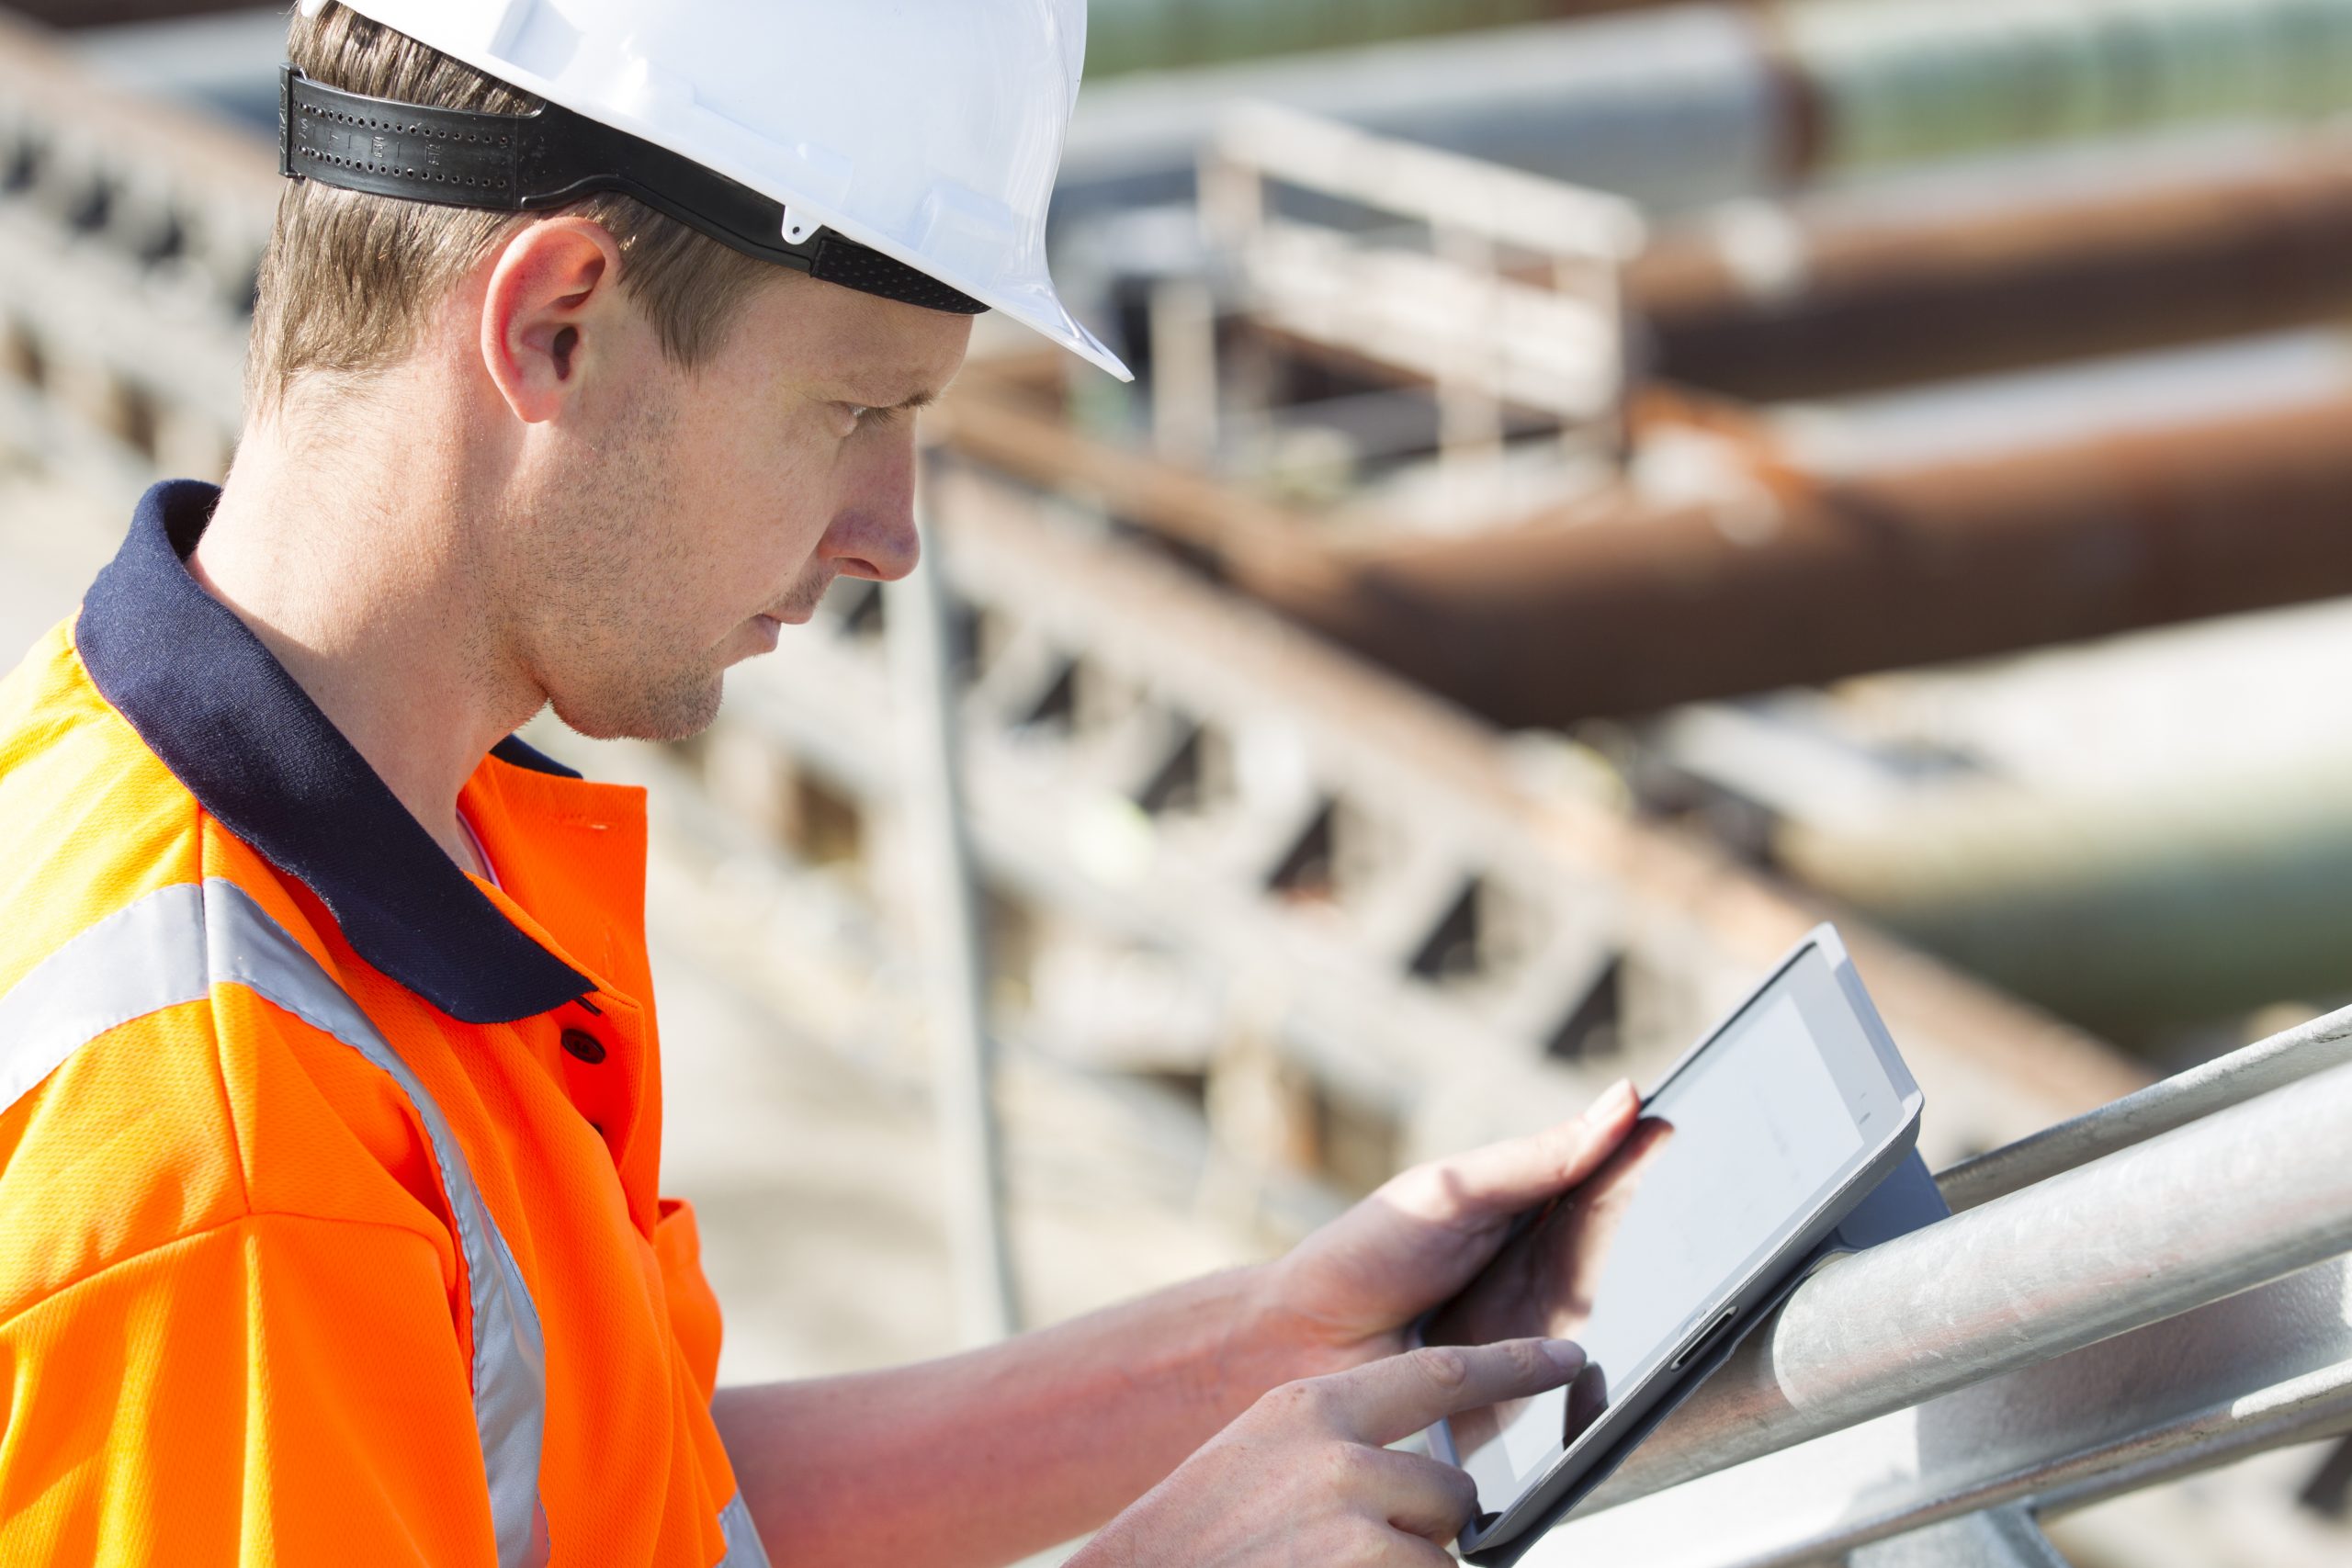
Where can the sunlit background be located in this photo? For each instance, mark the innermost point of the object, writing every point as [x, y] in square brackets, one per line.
[1608, 486]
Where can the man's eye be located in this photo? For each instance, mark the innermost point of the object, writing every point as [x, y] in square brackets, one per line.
[865, 417]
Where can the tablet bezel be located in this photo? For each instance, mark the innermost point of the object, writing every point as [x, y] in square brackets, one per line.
[1883, 1147]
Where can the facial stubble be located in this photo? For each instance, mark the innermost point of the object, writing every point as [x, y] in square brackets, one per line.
[611, 553]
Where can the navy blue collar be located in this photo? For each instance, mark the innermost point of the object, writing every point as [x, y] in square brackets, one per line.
[234, 726]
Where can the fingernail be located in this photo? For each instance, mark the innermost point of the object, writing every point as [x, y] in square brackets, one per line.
[1623, 1095]
[1567, 1354]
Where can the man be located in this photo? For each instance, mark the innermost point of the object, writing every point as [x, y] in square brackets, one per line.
[329, 1230]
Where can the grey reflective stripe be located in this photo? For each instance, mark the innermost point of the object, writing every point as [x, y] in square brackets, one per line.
[245, 947]
[175, 946]
[136, 961]
[743, 1548]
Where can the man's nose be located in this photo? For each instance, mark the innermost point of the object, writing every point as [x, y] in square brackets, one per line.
[873, 534]
[878, 543]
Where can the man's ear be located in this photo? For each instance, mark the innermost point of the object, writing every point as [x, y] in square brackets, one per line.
[554, 289]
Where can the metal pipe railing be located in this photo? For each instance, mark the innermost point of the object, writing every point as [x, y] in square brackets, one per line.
[2245, 1195]
[2267, 1370]
[2284, 1058]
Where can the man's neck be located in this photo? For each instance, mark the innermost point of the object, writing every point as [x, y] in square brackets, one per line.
[354, 566]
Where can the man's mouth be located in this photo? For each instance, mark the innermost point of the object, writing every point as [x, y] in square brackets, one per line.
[800, 609]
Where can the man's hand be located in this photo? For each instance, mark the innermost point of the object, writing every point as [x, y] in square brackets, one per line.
[1345, 1294]
[991, 1456]
[1305, 1476]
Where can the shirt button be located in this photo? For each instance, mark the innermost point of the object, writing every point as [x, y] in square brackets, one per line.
[584, 1046]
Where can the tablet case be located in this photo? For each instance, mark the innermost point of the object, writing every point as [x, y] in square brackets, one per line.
[1906, 1202]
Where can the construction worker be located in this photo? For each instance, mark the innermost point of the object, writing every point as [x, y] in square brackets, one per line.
[586, 356]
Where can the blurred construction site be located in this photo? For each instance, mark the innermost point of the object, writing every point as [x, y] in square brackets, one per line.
[1608, 486]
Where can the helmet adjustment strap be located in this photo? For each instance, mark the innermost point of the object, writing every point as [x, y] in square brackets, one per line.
[552, 158]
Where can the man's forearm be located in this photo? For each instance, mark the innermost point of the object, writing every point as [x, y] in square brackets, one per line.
[986, 1456]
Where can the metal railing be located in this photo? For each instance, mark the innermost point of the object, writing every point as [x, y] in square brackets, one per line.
[2151, 1290]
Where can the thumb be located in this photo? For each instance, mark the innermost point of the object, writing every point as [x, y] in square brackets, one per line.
[1386, 1400]
[1506, 1178]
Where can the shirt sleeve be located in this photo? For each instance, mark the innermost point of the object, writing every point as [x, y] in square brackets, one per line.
[278, 1390]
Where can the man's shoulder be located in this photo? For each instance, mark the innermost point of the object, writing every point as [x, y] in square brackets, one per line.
[52, 716]
[47, 694]
[137, 1112]
[89, 818]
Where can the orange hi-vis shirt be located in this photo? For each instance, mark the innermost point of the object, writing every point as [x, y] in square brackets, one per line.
[329, 1231]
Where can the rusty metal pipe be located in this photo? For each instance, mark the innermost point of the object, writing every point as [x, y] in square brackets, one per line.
[1798, 304]
[1552, 622]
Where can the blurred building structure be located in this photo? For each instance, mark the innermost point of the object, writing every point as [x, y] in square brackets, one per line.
[1323, 697]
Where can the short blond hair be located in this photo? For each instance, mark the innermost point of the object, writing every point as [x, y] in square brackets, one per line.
[349, 278]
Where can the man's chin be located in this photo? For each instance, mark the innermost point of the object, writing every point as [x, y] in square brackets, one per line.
[678, 713]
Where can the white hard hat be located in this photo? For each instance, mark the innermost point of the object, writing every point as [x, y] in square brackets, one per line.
[929, 132]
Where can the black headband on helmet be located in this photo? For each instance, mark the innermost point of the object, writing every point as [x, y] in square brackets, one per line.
[550, 158]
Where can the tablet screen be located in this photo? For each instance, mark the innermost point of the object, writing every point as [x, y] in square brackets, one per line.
[1729, 1160]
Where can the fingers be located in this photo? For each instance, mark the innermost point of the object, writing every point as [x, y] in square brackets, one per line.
[1506, 1178]
[1390, 1399]
[1422, 1497]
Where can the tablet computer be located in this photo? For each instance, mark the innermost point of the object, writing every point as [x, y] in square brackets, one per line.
[1746, 1156]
